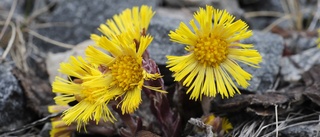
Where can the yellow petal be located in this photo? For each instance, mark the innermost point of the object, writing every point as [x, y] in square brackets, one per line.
[158, 89]
[98, 57]
[131, 101]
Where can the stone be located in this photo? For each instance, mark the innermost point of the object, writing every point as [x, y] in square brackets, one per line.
[300, 42]
[232, 7]
[292, 67]
[304, 130]
[53, 60]
[188, 3]
[81, 18]
[20, 8]
[7, 58]
[270, 46]
[13, 109]
[161, 45]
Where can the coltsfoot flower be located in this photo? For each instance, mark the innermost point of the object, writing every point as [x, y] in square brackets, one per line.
[213, 54]
[100, 78]
[125, 73]
[219, 125]
[59, 127]
[134, 22]
[86, 84]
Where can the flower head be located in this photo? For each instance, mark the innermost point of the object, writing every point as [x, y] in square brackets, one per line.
[220, 125]
[134, 22]
[213, 51]
[59, 127]
[87, 86]
[125, 73]
[112, 70]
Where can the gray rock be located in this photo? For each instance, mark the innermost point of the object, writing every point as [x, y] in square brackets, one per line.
[310, 130]
[161, 45]
[13, 111]
[188, 3]
[19, 9]
[299, 42]
[293, 67]
[231, 6]
[82, 18]
[270, 47]
[8, 57]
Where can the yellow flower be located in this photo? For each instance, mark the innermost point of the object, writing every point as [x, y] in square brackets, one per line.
[214, 49]
[133, 21]
[87, 86]
[125, 70]
[218, 124]
[59, 127]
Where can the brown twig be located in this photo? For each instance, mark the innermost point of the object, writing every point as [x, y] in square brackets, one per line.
[10, 43]
[28, 126]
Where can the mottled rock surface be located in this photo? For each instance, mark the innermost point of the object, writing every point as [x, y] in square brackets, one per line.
[161, 45]
[292, 67]
[13, 111]
[302, 131]
[81, 18]
[270, 47]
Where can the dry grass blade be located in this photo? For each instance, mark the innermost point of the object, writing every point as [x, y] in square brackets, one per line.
[13, 7]
[294, 11]
[33, 124]
[276, 22]
[10, 43]
[51, 24]
[291, 11]
[39, 12]
[292, 125]
[19, 55]
[284, 6]
[276, 114]
[46, 39]
[250, 128]
[263, 13]
[316, 18]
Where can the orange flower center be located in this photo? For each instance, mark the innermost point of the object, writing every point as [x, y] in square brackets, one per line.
[211, 50]
[126, 72]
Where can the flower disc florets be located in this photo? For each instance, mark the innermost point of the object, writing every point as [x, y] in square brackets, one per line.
[126, 72]
[211, 50]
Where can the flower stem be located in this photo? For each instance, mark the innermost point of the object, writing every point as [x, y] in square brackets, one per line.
[160, 107]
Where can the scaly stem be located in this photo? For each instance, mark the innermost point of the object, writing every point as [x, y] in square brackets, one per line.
[160, 107]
